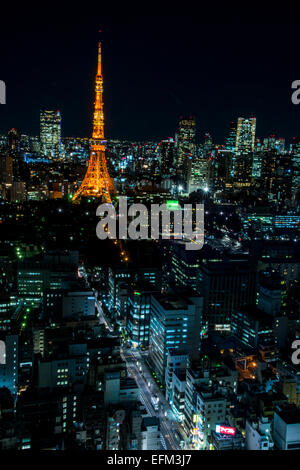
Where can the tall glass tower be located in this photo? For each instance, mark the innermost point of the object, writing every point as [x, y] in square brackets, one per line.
[50, 133]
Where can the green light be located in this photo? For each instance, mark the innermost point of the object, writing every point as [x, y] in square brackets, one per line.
[173, 205]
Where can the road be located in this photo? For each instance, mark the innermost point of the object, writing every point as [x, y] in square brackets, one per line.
[102, 317]
[138, 369]
[144, 379]
[166, 410]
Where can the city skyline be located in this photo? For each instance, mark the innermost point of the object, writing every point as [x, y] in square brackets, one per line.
[149, 265]
[156, 69]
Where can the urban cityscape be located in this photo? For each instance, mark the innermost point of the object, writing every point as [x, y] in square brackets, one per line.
[121, 344]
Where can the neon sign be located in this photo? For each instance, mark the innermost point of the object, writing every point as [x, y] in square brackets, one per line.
[229, 431]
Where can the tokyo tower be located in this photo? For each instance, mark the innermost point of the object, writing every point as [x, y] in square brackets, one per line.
[97, 182]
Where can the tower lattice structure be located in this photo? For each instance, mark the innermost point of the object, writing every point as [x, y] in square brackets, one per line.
[97, 182]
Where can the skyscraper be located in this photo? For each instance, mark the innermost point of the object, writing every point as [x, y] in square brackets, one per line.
[13, 141]
[6, 169]
[245, 135]
[245, 145]
[198, 171]
[166, 155]
[185, 143]
[231, 139]
[50, 133]
[231, 144]
[295, 166]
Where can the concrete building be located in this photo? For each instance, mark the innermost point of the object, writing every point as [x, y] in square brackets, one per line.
[227, 442]
[65, 369]
[119, 389]
[176, 360]
[286, 428]
[206, 400]
[259, 434]
[150, 433]
[78, 304]
[256, 328]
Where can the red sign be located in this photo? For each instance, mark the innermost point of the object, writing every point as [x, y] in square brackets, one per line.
[225, 430]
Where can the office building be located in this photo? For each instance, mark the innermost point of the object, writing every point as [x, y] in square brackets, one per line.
[167, 155]
[50, 133]
[185, 143]
[138, 315]
[225, 284]
[175, 323]
[245, 145]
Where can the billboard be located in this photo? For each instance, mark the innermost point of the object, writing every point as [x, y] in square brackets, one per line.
[228, 430]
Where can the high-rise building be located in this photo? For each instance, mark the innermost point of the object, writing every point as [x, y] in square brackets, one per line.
[53, 271]
[268, 169]
[185, 143]
[220, 168]
[50, 133]
[18, 191]
[271, 143]
[230, 145]
[245, 146]
[6, 169]
[176, 361]
[296, 166]
[182, 266]
[245, 135]
[166, 150]
[256, 329]
[13, 142]
[198, 171]
[208, 144]
[175, 323]
[231, 139]
[138, 315]
[282, 187]
[226, 284]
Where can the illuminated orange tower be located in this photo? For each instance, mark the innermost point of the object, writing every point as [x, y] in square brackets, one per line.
[97, 182]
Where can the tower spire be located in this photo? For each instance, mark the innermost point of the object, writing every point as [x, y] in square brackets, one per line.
[98, 120]
[99, 71]
[97, 182]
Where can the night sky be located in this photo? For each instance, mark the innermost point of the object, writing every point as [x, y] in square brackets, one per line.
[155, 69]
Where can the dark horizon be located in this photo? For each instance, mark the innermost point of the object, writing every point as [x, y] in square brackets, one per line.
[155, 69]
